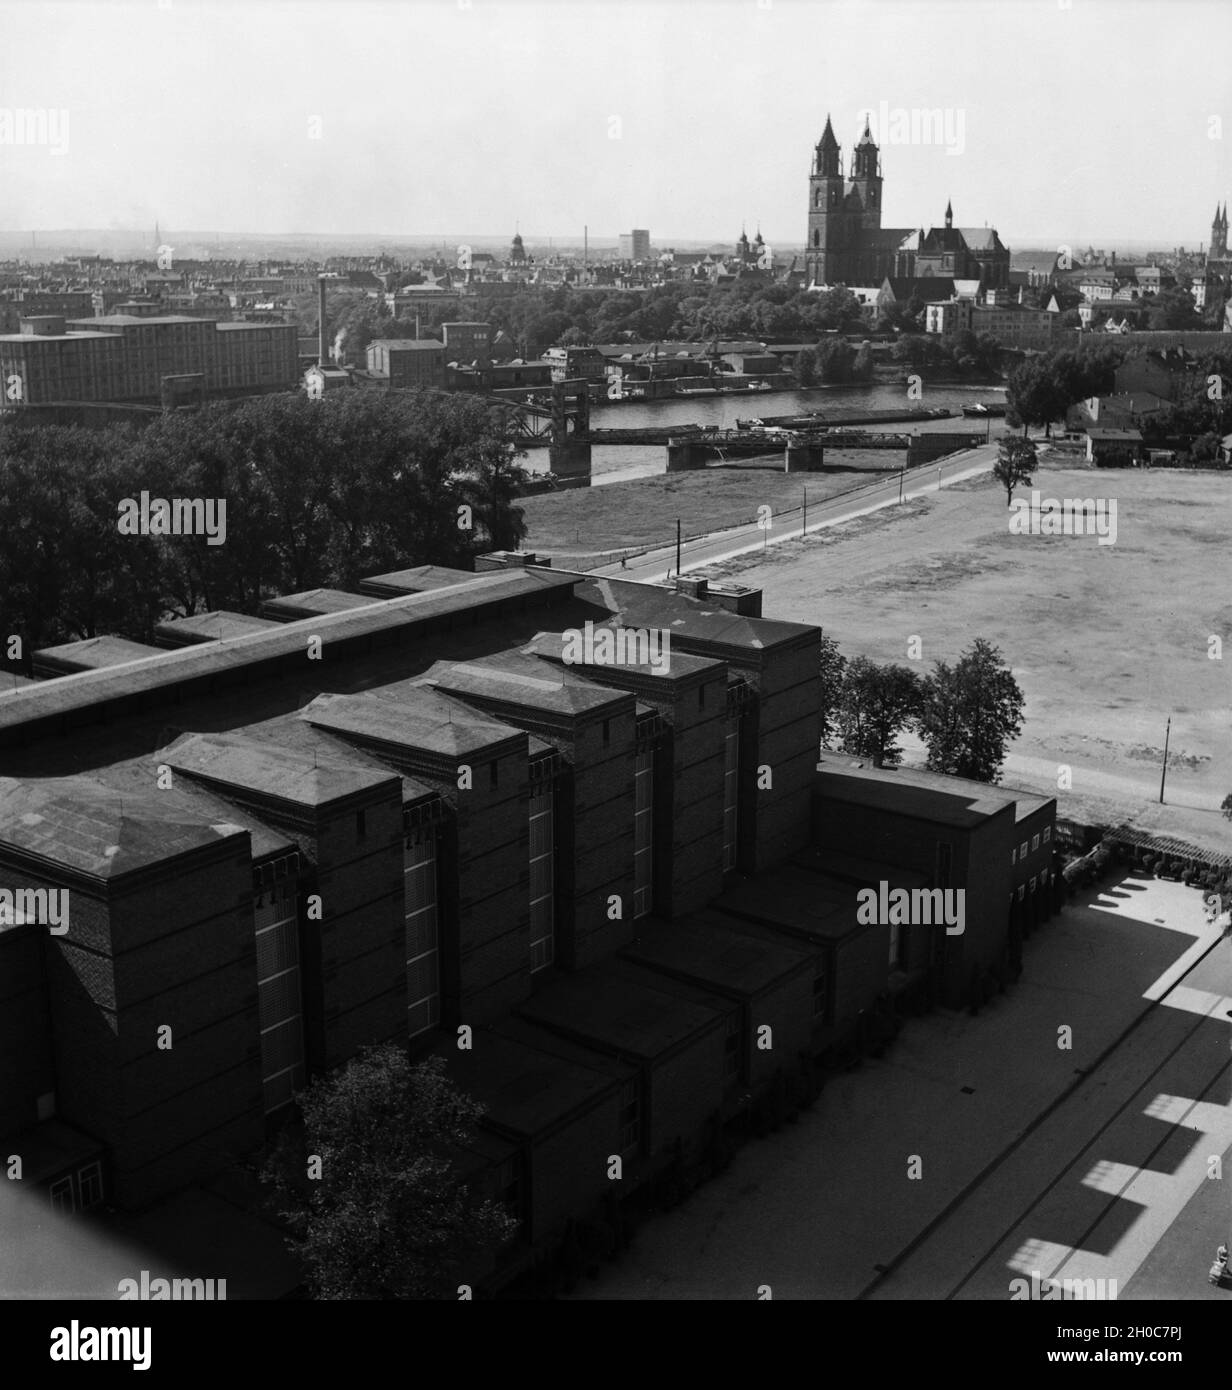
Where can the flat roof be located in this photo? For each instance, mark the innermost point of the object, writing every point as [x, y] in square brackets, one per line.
[688, 619]
[123, 320]
[711, 950]
[602, 1005]
[551, 647]
[55, 337]
[932, 796]
[528, 1079]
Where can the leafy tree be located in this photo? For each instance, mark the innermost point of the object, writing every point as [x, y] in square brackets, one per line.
[834, 360]
[318, 493]
[832, 666]
[1016, 463]
[1226, 806]
[969, 712]
[388, 1218]
[804, 370]
[875, 704]
[862, 367]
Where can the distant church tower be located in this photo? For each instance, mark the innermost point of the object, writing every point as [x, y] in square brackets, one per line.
[842, 209]
[826, 226]
[1219, 235]
[866, 179]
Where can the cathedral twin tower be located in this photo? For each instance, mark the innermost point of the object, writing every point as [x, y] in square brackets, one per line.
[847, 245]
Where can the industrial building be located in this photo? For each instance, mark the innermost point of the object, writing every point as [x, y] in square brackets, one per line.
[620, 900]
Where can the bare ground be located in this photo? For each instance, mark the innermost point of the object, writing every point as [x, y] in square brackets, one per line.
[1107, 641]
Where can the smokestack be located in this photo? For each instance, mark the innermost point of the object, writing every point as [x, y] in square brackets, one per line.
[586, 246]
[322, 344]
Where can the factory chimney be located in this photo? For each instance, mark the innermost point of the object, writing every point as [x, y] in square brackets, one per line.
[322, 340]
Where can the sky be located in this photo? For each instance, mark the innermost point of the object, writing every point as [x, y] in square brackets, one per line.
[1061, 120]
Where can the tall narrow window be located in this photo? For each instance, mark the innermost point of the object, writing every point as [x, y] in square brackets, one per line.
[423, 969]
[630, 1118]
[542, 877]
[731, 793]
[279, 1006]
[643, 832]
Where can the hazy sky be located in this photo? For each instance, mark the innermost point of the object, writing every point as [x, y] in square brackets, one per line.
[1068, 119]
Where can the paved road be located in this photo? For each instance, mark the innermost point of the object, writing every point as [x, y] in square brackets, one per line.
[658, 564]
[1081, 1162]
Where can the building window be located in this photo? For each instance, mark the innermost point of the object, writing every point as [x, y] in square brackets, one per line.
[90, 1185]
[62, 1195]
[945, 863]
[731, 793]
[1022, 850]
[1047, 833]
[542, 877]
[643, 832]
[1035, 842]
[423, 972]
[279, 1007]
[1021, 892]
[1013, 856]
[630, 1118]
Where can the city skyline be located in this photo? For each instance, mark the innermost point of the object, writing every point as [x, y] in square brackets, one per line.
[302, 141]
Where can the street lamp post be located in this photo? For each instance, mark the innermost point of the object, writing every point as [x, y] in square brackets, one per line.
[1164, 770]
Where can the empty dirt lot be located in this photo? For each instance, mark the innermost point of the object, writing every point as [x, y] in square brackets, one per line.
[1106, 641]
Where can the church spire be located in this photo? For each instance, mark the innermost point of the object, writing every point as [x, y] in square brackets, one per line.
[949, 213]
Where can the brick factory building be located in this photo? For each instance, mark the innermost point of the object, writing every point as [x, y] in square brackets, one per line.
[632, 883]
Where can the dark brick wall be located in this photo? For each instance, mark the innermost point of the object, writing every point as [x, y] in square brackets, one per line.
[161, 1109]
[359, 945]
[694, 834]
[26, 1067]
[788, 724]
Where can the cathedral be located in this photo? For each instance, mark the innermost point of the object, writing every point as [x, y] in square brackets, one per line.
[1217, 261]
[847, 245]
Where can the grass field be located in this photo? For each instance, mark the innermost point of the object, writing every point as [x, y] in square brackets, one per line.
[1107, 641]
[587, 524]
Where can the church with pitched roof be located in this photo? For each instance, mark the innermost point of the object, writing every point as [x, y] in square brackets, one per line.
[847, 245]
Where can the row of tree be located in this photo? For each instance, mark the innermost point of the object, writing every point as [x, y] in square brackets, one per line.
[318, 494]
[1042, 389]
[966, 713]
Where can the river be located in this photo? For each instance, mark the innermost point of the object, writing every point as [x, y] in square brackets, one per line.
[612, 463]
